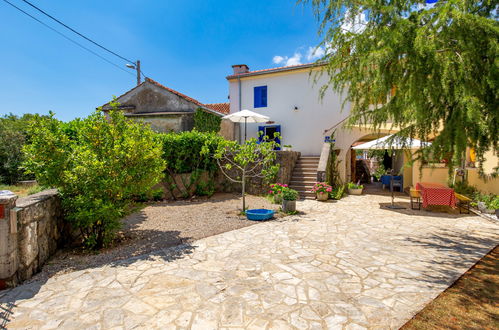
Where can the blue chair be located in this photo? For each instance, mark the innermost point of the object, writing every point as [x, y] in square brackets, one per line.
[398, 181]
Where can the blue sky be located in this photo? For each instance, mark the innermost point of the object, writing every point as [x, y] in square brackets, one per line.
[186, 45]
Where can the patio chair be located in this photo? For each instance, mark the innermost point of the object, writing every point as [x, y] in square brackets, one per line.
[463, 203]
[398, 182]
[415, 196]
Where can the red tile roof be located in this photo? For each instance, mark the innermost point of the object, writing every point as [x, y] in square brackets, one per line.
[219, 107]
[278, 69]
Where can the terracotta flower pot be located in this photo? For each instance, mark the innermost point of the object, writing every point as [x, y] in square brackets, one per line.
[355, 191]
[321, 196]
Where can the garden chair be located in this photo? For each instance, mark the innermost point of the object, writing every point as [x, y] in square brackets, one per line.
[463, 203]
[415, 196]
[398, 182]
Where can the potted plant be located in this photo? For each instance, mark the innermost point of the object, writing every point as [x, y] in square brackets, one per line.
[494, 205]
[355, 189]
[322, 190]
[287, 147]
[484, 203]
[289, 197]
[275, 192]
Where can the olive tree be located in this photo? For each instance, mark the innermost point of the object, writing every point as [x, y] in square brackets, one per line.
[253, 159]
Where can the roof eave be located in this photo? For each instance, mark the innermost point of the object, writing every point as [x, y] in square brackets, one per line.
[276, 70]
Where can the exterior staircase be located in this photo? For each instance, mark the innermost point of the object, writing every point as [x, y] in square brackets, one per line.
[305, 176]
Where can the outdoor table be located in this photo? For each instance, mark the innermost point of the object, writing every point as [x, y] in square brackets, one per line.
[436, 194]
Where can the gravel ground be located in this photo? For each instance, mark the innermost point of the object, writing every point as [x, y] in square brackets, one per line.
[162, 225]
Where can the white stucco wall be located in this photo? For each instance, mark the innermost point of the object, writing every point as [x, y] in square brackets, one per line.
[303, 128]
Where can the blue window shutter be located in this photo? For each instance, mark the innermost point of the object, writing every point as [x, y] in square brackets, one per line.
[263, 96]
[260, 96]
[257, 97]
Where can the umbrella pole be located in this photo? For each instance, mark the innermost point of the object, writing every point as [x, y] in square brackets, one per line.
[245, 123]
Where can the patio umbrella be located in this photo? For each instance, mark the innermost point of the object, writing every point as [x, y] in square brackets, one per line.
[246, 116]
[392, 142]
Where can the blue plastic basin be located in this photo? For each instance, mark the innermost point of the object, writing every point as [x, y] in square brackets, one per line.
[259, 214]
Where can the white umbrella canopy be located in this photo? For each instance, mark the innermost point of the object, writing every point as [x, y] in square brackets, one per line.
[391, 142]
[246, 116]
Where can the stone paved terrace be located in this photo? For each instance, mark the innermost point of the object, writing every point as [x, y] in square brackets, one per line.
[349, 265]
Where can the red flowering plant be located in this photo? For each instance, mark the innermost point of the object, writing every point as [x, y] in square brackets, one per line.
[322, 188]
[276, 190]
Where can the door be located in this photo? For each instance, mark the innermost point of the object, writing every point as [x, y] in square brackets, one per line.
[267, 133]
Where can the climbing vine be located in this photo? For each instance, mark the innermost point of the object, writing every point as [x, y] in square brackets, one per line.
[206, 122]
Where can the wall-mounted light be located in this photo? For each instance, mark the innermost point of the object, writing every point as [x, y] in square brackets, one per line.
[295, 108]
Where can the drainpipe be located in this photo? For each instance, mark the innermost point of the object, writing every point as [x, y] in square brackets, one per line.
[240, 104]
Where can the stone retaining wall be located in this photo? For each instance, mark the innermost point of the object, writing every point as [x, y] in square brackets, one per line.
[30, 232]
[180, 186]
[286, 160]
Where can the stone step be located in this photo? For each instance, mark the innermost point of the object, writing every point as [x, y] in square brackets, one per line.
[301, 186]
[299, 180]
[311, 166]
[298, 163]
[304, 179]
[307, 174]
[305, 168]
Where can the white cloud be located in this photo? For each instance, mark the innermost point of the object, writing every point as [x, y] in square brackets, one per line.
[295, 59]
[314, 53]
[287, 61]
[278, 59]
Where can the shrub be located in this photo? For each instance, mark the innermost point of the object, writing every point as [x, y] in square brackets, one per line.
[322, 187]
[277, 188]
[338, 192]
[98, 164]
[289, 194]
[463, 188]
[494, 204]
[205, 121]
[13, 136]
[187, 152]
[352, 185]
[191, 152]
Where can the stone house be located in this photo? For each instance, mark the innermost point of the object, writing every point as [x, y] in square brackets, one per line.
[166, 110]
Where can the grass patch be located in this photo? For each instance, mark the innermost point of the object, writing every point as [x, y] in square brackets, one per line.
[22, 191]
[470, 303]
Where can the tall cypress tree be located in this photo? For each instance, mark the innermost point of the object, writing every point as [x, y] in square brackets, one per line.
[429, 69]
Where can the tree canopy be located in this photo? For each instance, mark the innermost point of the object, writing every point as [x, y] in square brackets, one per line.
[13, 136]
[429, 70]
[99, 164]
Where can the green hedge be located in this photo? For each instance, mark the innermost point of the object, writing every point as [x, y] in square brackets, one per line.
[206, 122]
[182, 151]
[190, 152]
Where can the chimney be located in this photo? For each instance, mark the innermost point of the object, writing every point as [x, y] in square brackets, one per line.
[240, 68]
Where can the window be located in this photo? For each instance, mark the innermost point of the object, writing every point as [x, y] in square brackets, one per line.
[260, 94]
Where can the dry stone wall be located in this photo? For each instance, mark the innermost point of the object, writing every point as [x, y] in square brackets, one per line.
[30, 232]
